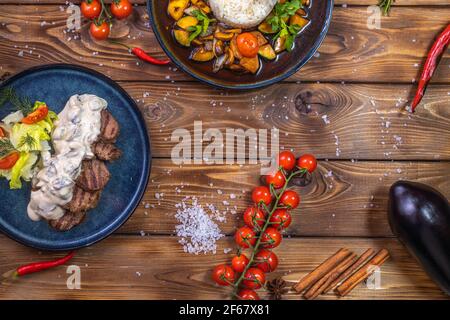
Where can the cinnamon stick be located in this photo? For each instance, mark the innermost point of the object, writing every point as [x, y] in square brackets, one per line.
[321, 270]
[363, 273]
[363, 258]
[320, 285]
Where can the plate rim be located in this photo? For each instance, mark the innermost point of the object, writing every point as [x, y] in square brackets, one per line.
[250, 86]
[101, 235]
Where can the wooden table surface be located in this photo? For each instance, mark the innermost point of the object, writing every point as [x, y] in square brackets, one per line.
[361, 80]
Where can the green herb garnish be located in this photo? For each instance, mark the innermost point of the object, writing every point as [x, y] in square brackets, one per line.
[281, 13]
[23, 104]
[385, 5]
[6, 147]
[28, 141]
[202, 28]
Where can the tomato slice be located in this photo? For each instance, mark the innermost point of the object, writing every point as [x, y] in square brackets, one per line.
[2, 134]
[37, 115]
[9, 161]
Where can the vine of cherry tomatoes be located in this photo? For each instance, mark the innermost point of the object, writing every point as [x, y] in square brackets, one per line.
[102, 16]
[264, 221]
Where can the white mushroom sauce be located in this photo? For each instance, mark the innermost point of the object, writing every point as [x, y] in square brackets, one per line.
[77, 128]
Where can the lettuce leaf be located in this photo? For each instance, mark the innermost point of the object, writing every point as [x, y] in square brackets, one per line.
[22, 169]
[28, 137]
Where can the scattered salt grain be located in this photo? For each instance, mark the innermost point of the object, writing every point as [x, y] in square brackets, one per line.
[197, 231]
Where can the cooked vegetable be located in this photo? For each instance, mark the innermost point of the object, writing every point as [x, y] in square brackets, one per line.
[261, 39]
[182, 37]
[266, 28]
[420, 217]
[267, 52]
[250, 64]
[298, 20]
[232, 48]
[247, 44]
[202, 6]
[202, 55]
[223, 35]
[280, 44]
[187, 22]
[176, 8]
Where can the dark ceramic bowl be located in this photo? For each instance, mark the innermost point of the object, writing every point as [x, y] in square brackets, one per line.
[285, 66]
[54, 84]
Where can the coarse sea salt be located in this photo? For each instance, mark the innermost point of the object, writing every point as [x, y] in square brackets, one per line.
[197, 231]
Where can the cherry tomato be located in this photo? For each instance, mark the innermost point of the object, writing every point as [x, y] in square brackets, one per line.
[261, 194]
[101, 31]
[253, 217]
[245, 237]
[266, 260]
[223, 275]
[91, 8]
[281, 219]
[290, 199]
[308, 162]
[9, 161]
[271, 238]
[239, 262]
[247, 294]
[37, 115]
[286, 160]
[121, 8]
[276, 179]
[254, 278]
[247, 44]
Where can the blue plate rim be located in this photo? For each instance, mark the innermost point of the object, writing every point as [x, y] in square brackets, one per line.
[257, 85]
[145, 175]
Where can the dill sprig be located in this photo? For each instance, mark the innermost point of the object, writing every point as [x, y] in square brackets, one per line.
[28, 141]
[385, 5]
[23, 104]
[6, 147]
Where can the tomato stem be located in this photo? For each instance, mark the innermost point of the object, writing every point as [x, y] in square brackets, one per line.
[266, 225]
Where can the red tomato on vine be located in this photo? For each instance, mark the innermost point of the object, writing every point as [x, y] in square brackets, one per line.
[239, 262]
[266, 260]
[253, 217]
[245, 237]
[290, 199]
[254, 278]
[261, 194]
[223, 275]
[286, 160]
[271, 238]
[281, 218]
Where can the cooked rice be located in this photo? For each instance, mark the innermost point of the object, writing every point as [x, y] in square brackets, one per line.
[242, 13]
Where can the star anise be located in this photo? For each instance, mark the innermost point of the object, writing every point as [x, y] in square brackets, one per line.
[277, 288]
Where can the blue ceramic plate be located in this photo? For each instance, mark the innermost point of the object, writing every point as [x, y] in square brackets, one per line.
[54, 84]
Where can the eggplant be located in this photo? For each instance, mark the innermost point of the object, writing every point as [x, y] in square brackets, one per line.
[420, 217]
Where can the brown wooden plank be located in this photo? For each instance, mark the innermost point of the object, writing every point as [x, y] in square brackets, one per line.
[344, 199]
[367, 121]
[351, 52]
[337, 2]
[156, 268]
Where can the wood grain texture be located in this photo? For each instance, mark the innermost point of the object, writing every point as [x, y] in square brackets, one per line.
[37, 35]
[124, 267]
[334, 121]
[337, 2]
[344, 199]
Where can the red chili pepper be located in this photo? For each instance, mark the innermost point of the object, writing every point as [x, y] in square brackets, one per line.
[141, 54]
[431, 64]
[39, 266]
